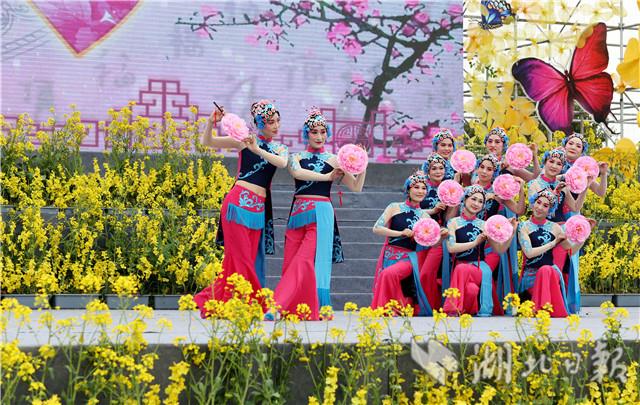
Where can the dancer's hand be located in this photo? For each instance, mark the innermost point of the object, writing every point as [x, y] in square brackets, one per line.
[408, 233]
[216, 115]
[604, 168]
[335, 174]
[534, 149]
[439, 207]
[251, 144]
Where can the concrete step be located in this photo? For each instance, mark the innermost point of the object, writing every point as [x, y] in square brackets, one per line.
[342, 214]
[352, 250]
[339, 284]
[350, 268]
[367, 199]
[349, 233]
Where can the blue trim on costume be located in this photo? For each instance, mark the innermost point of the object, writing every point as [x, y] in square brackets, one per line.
[486, 291]
[260, 263]
[529, 277]
[324, 250]
[446, 267]
[249, 219]
[572, 296]
[508, 261]
[302, 219]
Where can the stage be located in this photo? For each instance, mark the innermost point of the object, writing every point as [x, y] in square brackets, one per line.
[189, 325]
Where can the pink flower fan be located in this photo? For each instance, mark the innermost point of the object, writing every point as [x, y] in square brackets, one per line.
[589, 165]
[463, 161]
[506, 187]
[576, 179]
[498, 228]
[426, 232]
[519, 156]
[353, 159]
[234, 126]
[450, 193]
[577, 229]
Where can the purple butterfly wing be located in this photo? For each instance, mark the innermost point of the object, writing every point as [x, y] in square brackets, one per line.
[546, 85]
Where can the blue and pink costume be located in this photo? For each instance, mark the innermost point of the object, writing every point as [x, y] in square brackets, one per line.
[397, 274]
[312, 240]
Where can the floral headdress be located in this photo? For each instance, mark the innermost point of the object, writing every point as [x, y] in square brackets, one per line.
[433, 158]
[549, 195]
[501, 133]
[313, 120]
[585, 144]
[557, 153]
[417, 177]
[443, 133]
[263, 110]
[493, 159]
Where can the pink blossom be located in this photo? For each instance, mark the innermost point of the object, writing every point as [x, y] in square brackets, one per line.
[426, 71]
[455, 10]
[357, 78]
[376, 13]
[421, 17]
[445, 23]
[273, 46]
[463, 161]
[448, 46]
[352, 47]
[412, 126]
[408, 30]
[306, 5]
[207, 10]
[277, 29]
[455, 117]
[234, 126]
[450, 192]
[299, 20]
[268, 15]
[342, 28]
[411, 3]
[395, 53]
[506, 187]
[262, 31]
[393, 28]
[386, 106]
[202, 33]
[589, 165]
[427, 58]
[498, 228]
[352, 159]
[576, 179]
[426, 232]
[519, 156]
[252, 39]
[577, 229]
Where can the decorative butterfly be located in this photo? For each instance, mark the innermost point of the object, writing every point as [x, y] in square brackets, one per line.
[585, 82]
[495, 13]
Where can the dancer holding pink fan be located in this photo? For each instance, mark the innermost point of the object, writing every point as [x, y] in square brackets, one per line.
[246, 226]
[497, 142]
[473, 268]
[430, 258]
[542, 280]
[312, 240]
[576, 148]
[397, 274]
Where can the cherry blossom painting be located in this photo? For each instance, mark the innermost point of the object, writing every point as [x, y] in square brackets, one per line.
[387, 74]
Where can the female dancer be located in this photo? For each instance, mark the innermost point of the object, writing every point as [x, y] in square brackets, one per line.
[397, 273]
[245, 215]
[473, 274]
[541, 278]
[497, 142]
[312, 241]
[444, 145]
[487, 169]
[430, 258]
[575, 146]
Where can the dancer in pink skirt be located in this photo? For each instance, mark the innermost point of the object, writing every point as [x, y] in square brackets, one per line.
[246, 225]
[312, 241]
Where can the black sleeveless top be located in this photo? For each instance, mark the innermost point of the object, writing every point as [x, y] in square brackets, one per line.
[541, 235]
[468, 232]
[256, 170]
[406, 218]
[316, 162]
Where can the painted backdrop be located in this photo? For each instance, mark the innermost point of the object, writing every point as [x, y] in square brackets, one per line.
[386, 73]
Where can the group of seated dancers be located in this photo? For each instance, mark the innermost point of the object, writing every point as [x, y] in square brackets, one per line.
[477, 271]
